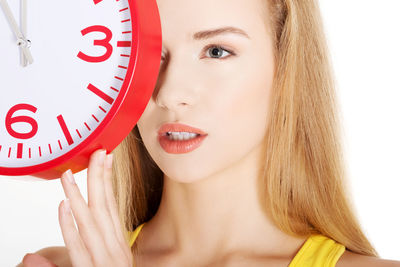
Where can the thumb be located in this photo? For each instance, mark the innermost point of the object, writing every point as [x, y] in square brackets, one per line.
[35, 260]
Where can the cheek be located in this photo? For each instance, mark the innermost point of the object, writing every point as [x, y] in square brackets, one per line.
[243, 107]
[238, 111]
[148, 120]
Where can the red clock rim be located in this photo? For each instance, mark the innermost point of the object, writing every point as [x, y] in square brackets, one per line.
[147, 31]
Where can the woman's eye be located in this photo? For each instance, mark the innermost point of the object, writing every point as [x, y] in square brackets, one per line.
[215, 51]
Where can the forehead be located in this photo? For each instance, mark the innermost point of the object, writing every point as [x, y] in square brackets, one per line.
[182, 18]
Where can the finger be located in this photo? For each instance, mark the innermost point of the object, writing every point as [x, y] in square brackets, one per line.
[98, 205]
[110, 198]
[35, 260]
[96, 193]
[76, 249]
[87, 227]
[112, 205]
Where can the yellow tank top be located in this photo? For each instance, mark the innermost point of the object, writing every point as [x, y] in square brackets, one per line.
[317, 251]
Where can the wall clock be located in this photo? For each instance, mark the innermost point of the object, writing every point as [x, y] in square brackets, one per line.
[75, 76]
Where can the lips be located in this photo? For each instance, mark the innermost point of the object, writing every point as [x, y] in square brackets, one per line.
[180, 146]
[178, 127]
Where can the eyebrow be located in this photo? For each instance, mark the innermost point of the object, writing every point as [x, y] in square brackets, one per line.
[211, 33]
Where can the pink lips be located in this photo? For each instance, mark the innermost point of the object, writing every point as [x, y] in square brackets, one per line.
[179, 146]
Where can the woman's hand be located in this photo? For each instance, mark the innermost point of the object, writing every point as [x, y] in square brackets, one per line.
[99, 240]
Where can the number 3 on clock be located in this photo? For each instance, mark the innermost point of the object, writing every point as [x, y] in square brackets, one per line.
[104, 42]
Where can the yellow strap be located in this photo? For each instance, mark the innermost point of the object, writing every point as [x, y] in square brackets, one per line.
[318, 251]
[134, 234]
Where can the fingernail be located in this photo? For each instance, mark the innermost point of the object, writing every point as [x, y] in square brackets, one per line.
[27, 255]
[67, 206]
[109, 161]
[102, 156]
[70, 176]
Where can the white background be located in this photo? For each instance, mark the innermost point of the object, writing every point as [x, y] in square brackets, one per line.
[364, 43]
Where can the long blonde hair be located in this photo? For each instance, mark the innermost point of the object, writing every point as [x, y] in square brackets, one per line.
[303, 179]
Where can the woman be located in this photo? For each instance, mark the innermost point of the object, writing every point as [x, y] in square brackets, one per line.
[263, 184]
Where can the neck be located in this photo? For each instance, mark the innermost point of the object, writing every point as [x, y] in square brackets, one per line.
[222, 212]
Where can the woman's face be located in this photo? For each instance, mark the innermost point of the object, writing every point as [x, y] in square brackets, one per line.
[222, 91]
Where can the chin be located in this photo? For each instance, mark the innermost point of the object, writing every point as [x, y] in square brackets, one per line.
[180, 175]
[184, 180]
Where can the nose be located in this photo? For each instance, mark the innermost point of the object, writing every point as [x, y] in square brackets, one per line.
[175, 86]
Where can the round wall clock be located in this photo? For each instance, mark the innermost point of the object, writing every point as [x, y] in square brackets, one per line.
[75, 76]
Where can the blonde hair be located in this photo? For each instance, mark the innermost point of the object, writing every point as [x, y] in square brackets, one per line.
[303, 176]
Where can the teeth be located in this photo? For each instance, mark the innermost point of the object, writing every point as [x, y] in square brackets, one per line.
[181, 135]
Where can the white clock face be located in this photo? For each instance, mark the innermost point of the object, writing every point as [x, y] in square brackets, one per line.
[81, 51]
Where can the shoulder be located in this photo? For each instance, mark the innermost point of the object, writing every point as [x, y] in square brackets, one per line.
[351, 259]
[58, 255]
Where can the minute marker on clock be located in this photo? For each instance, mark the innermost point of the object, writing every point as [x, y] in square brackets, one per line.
[87, 126]
[65, 130]
[100, 93]
[124, 44]
[79, 134]
[94, 117]
[19, 150]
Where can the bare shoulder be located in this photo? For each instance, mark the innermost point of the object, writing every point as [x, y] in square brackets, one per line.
[58, 255]
[351, 259]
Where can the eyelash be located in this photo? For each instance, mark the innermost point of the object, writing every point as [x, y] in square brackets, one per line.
[212, 46]
[207, 48]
